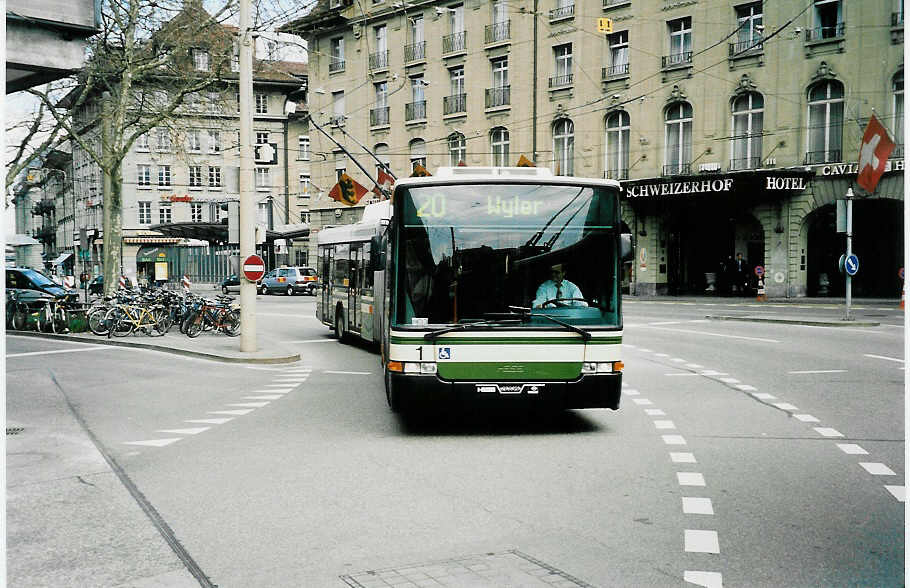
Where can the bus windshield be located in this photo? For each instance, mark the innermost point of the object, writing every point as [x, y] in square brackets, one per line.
[467, 251]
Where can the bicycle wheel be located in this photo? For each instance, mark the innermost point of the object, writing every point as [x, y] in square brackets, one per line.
[20, 317]
[162, 322]
[45, 322]
[194, 324]
[231, 323]
[96, 322]
[59, 324]
[119, 324]
[207, 321]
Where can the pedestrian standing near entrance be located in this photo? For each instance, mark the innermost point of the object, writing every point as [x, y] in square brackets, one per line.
[741, 273]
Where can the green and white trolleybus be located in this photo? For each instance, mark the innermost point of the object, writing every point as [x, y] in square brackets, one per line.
[485, 282]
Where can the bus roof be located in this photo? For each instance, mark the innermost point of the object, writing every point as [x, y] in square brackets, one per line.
[463, 174]
[363, 230]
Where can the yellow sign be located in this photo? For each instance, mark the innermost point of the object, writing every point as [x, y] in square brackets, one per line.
[604, 25]
[160, 270]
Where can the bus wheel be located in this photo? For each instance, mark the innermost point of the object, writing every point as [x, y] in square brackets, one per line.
[339, 324]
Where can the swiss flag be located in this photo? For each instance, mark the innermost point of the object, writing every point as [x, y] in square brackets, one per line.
[386, 181]
[347, 191]
[873, 155]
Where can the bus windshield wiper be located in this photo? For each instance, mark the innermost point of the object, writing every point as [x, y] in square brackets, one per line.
[527, 313]
[434, 334]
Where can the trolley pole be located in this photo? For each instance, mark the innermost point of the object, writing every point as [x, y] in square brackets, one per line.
[247, 212]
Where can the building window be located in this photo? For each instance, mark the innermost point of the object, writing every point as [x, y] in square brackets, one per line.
[826, 123]
[164, 212]
[262, 137]
[338, 108]
[499, 143]
[164, 176]
[498, 95]
[262, 103]
[303, 148]
[619, 54]
[263, 179]
[748, 111]
[457, 150]
[827, 19]
[145, 213]
[457, 100]
[262, 213]
[163, 139]
[749, 32]
[562, 54]
[214, 176]
[680, 42]
[897, 86]
[617, 164]
[379, 115]
[341, 163]
[418, 151]
[195, 176]
[336, 57]
[564, 147]
[142, 142]
[678, 139]
[193, 141]
[214, 100]
[304, 185]
[417, 108]
[382, 154]
[214, 141]
[196, 212]
[144, 176]
[305, 217]
[201, 59]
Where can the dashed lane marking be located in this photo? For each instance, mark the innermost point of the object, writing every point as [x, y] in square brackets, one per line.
[220, 421]
[877, 469]
[673, 439]
[706, 579]
[642, 401]
[249, 404]
[631, 392]
[682, 457]
[806, 418]
[785, 406]
[264, 397]
[664, 425]
[192, 431]
[828, 432]
[746, 387]
[698, 541]
[697, 505]
[154, 442]
[690, 479]
[729, 380]
[655, 412]
[883, 357]
[899, 492]
[852, 449]
[239, 412]
[722, 335]
[817, 372]
[713, 373]
[764, 396]
[682, 374]
[694, 366]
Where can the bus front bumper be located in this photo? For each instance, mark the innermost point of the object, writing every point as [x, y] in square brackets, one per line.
[588, 391]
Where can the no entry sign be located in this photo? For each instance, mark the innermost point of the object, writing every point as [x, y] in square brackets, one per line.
[253, 268]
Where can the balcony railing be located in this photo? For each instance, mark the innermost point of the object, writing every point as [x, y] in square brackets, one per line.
[379, 60]
[746, 47]
[822, 33]
[617, 174]
[497, 97]
[562, 12]
[677, 169]
[496, 32]
[613, 3]
[745, 163]
[614, 71]
[336, 64]
[558, 81]
[454, 43]
[897, 19]
[898, 152]
[829, 156]
[415, 52]
[379, 116]
[455, 103]
[415, 110]
[676, 60]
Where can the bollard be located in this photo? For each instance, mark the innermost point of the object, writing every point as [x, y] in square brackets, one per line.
[185, 282]
[761, 290]
[123, 281]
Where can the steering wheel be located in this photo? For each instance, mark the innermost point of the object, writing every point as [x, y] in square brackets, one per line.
[556, 301]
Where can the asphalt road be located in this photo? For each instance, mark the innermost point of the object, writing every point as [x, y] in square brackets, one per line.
[737, 458]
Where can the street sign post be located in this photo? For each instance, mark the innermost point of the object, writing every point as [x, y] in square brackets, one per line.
[253, 268]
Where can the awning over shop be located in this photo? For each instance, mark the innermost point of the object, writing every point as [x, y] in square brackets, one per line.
[151, 254]
[61, 258]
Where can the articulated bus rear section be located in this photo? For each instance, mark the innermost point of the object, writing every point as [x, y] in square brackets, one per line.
[503, 283]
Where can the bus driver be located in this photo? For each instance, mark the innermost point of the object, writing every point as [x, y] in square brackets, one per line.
[558, 288]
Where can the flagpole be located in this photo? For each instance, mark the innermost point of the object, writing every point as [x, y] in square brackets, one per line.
[346, 152]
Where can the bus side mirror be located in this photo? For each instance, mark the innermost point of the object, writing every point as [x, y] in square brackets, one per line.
[625, 246]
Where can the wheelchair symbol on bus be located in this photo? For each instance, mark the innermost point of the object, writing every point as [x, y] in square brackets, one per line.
[445, 353]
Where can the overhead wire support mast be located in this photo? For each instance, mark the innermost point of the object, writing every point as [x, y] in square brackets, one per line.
[346, 152]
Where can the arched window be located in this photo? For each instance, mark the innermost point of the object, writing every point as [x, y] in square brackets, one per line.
[564, 147]
[382, 153]
[678, 138]
[748, 113]
[457, 150]
[617, 163]
[826, 123]
[499, 143]
[897, 87]
[418, 150]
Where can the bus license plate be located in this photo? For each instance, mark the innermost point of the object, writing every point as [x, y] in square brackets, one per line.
[510, 388]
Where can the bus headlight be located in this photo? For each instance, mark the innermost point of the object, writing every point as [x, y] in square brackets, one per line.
[601, 367]
[421, 367]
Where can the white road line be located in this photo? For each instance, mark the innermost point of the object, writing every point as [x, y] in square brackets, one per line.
[210, 421]
[673, 439]
[745, 387]
[702, 541]
[899, 492]
[678, 360]
[828, 432]
[729, 380]
[277, 388]
[785, 406]
[193, 431]
[877, 469]
[655, 412]
[249, 404]
[873, 357]
[682, 457]
[694, 366]
[690, 479]
[264, 397]
[806, 418]
[817, 372]
[664, 425]
[289, 379]
[642, 401]
[30, 353]
[682, 374]
[239, 412]
[154, 442]
[692, 505]
[852, 449]
[315, 341]
[666, 323]
[713, 373]
[691, 332]
[643, 350]
[631, 392]
[347, 373]
[706, 579]
[661, 355]
[764, 396]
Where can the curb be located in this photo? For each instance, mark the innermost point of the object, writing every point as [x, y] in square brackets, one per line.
[274, 359]
[822, 323]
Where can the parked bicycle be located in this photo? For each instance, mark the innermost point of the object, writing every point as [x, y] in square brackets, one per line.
[218, 315]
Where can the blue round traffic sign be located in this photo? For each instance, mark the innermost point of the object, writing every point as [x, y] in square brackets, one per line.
[851, 264]
[759, 271]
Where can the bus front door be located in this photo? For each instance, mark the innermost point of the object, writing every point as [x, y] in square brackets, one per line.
[328, 281]
[356, 272]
